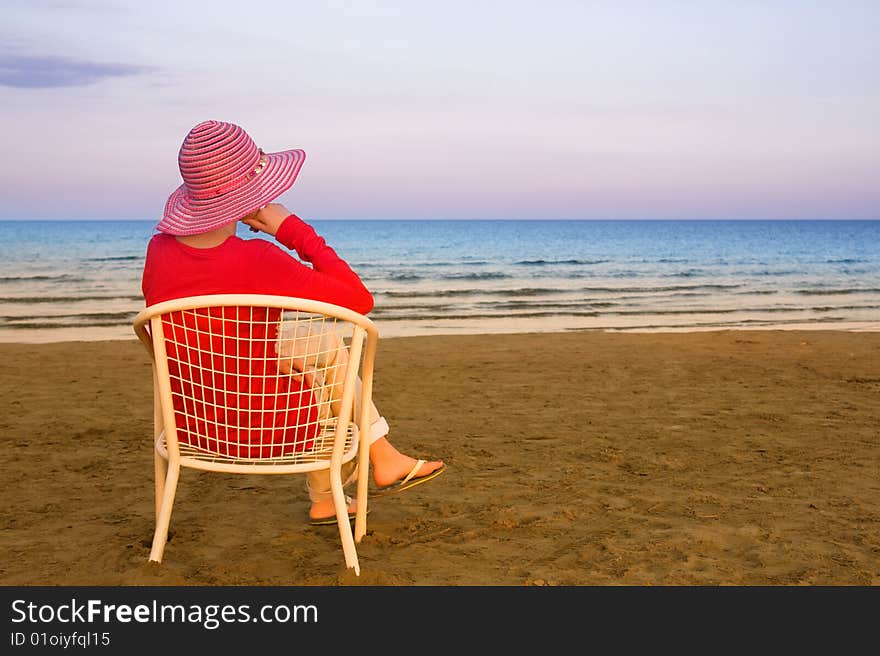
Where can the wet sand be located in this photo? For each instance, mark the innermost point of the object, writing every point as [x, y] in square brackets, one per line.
[700, 458]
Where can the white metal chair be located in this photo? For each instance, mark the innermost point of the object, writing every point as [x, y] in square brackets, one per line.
[225, 400]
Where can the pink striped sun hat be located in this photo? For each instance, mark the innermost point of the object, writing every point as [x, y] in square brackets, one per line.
[225, 177]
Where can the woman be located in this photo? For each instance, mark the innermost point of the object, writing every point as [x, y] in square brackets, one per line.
[227, 179]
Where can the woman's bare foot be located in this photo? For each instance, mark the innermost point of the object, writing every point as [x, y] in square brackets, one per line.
[325, 508]
[390, 465]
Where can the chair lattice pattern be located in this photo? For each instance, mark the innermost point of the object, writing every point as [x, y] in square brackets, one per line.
[254, 385]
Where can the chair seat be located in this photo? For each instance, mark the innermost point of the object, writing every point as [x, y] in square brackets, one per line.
[314, 458]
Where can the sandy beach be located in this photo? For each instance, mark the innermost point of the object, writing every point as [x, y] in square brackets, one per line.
[701, 458]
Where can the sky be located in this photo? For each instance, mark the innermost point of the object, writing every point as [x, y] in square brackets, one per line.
[627, 109]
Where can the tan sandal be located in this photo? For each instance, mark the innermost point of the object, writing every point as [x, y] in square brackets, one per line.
[410, 480]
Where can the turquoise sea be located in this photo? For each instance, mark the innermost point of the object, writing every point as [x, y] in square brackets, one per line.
[81, 279]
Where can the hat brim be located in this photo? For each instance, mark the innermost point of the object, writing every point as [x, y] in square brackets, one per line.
[190, 216]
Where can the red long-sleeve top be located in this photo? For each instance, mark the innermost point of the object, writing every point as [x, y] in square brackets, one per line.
[235, 403]
[254, 266]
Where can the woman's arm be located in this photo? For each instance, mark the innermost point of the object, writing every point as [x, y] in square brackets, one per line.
[330, 279]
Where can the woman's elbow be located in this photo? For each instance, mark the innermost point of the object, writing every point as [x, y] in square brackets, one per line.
[365, 304]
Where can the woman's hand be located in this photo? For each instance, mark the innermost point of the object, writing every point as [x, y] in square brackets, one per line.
[267, 219]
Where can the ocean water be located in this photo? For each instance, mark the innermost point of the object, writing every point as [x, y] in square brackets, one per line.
[81, 280]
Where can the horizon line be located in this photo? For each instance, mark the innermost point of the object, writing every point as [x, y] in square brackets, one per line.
[706, 219]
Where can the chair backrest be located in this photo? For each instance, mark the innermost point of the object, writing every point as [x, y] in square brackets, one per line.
[255, 383]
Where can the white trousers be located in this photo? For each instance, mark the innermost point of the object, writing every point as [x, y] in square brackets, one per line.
[321, 357]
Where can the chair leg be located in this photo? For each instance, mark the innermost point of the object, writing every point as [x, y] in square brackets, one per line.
[161, 475]
[348, 548]
[163, 519]
[363, 483]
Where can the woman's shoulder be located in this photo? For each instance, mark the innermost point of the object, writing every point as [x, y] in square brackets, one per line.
[158, 241]
[163, 245]
[263, 247]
